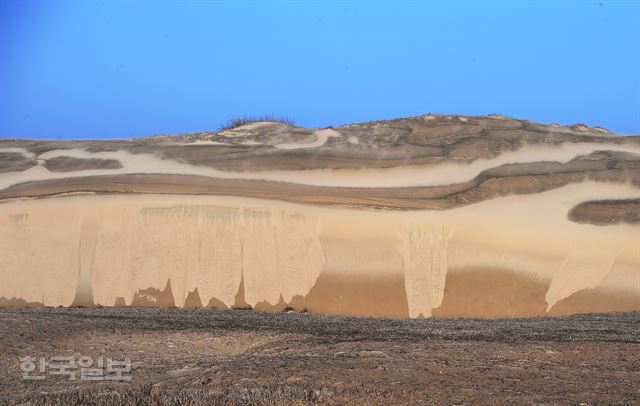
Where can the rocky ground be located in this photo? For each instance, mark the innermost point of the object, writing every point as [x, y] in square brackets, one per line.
[205, 356]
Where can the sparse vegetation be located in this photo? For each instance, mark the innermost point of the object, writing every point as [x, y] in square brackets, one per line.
[229, 357]
[237, 122]
[285, 394]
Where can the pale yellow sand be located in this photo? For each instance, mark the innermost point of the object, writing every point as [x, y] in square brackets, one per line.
[116, 245]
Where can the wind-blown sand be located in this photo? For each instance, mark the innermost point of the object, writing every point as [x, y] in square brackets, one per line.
[489, 232]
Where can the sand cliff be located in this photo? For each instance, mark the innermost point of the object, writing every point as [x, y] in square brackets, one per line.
[428, 216]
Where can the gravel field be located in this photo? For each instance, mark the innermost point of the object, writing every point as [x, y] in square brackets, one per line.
[228, 357]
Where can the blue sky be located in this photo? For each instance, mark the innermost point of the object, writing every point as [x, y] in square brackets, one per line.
[105, 69]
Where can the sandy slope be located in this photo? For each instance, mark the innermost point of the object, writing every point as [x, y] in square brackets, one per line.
[489, 233]
[115, 246]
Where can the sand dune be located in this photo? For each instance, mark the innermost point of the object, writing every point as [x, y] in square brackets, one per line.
[280, 250]
[488, 236]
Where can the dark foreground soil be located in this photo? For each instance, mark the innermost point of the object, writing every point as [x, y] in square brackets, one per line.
[229, 357]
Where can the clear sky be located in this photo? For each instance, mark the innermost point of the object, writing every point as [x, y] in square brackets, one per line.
[98, 69]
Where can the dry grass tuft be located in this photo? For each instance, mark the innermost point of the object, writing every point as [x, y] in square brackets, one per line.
[237, 122]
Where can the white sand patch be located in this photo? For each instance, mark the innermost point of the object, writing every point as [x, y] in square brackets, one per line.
[205, 142]
[321, 138]
[596, 131]
[248, 129]
[256, 126]
[21, 151]
[404, 176]
[463, 119]
[601, 130]
[234, 133]
[353, 140]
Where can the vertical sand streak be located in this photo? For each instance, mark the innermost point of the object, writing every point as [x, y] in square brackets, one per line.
[87, 243]
[425, 267]
[580, 270]
[281, 256]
